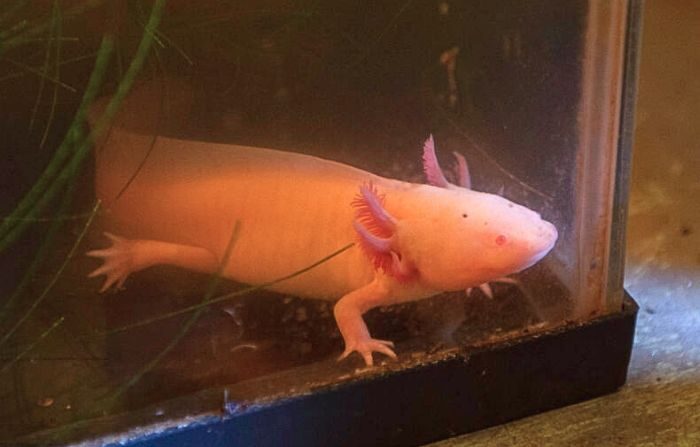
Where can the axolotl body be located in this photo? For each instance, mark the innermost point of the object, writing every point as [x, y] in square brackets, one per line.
[413, 240]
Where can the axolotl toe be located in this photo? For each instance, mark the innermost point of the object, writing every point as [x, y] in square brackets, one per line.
[413, 241]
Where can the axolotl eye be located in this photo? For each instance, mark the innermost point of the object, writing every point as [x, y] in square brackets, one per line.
[501, 239]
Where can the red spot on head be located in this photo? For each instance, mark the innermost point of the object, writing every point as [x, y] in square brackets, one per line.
[501, 239]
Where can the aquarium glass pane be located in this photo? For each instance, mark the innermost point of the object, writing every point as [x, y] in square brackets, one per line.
[216, 197]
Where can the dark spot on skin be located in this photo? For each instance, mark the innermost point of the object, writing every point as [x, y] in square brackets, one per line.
[686, 230]
[464, 215]
[510, 205]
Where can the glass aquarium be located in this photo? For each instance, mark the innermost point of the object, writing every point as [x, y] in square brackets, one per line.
[249, 200]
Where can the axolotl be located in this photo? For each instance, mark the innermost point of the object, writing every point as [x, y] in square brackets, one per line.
[413, 240]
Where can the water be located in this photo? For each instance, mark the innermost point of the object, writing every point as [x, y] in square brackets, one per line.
[359, 83]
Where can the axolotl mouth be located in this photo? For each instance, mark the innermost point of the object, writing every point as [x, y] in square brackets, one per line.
[541, 242]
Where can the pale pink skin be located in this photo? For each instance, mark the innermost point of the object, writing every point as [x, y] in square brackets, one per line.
[293, 210]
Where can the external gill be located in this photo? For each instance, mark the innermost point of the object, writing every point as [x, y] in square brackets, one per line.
[433, 171]
[376, 228]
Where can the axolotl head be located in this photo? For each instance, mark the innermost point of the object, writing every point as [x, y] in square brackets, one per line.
[462, 238]
[448, 236]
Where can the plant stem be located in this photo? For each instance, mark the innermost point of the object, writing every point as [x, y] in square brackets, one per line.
[42, 193]
[19, 356]
[213, 284]
[25, 208]
[55, 278]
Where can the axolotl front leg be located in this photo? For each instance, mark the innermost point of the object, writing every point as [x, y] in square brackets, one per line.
[348, 314]
[395, 280]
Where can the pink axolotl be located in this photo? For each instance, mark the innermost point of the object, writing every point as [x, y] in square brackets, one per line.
[414, 240]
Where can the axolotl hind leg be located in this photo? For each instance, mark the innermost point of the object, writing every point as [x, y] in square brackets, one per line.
[348, 314]
[126, 256]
